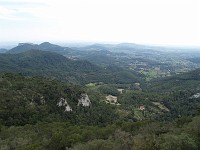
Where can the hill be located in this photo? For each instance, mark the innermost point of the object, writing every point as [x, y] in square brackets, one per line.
[37, 113]
[185, 81]
[46, 46]
[3, 50]
[27, 100]
[53, 65]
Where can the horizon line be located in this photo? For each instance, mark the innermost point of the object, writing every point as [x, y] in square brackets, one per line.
[90, 42]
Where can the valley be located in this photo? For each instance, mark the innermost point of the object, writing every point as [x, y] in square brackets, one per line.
[110, 95]
[99, 75]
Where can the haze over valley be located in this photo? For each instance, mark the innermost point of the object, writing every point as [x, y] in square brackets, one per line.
[99, 75]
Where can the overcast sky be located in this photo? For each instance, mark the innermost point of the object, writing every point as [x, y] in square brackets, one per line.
[160, 22]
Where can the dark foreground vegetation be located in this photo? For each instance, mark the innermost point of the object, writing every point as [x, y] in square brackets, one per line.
[31, 119]
[91, 98]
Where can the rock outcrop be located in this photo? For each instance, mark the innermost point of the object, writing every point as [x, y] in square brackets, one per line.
[110, 99]
[63, 102]
[84, 100]
[197, 95]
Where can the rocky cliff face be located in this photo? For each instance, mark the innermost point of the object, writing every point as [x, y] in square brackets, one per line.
[197, 95]
[84, 100]
[63, 102]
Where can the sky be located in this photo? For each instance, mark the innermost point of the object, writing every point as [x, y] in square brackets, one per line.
[156, 22]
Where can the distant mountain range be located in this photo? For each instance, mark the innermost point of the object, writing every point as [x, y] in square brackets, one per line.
[122, 47]
[3, 50]
[46, 46]
[94, 63]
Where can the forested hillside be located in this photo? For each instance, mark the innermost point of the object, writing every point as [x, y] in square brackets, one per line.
[53, 65]
[35, 115]
[99, 74]
[26, 100]
[52, 98]
[185, 81]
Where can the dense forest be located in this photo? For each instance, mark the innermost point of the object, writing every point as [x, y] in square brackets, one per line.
[89, 98]
[56, 66]
[31, 118]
